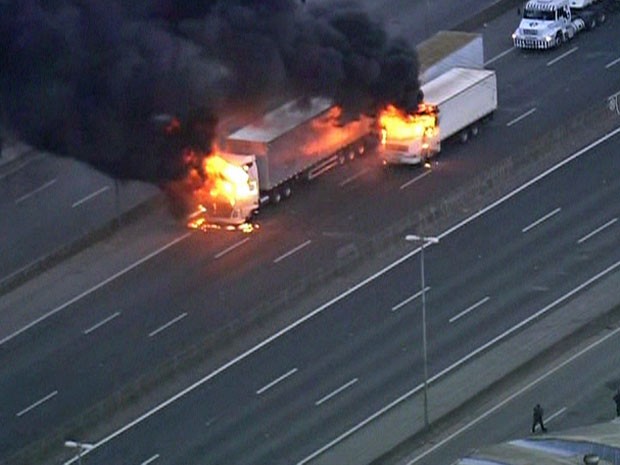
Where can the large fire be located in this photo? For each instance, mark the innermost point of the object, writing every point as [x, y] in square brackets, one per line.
[218, 186]
[397, 125]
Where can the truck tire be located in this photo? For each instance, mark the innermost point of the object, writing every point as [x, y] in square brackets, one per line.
[474, 130]
[559, 39]
[287, 191]
[464, 136]
[275, 197]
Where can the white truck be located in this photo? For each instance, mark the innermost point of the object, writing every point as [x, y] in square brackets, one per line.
[549, 23]
[297, 141]
[454, 105]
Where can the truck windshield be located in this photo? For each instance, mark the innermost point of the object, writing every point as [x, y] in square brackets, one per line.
[539, 15]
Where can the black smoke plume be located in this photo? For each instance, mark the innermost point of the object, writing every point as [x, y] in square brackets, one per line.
[127, 86]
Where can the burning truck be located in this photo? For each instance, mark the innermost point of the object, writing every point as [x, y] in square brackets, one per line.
[263, 161]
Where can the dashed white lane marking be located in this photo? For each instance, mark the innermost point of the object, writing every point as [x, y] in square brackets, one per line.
[231, 248]
[21, 166]
[498, 56]
[292, 251]
[416, 179]
[336, 392]
[560, 57]
[612, 63]
[409, 299]
[354, 177]
[36, 191]
[542, 219]
[469, 309]
[555, 415]
[151, 460]
[279, 379]
[167, 325]
[37, 403]
[101, 323]
[95, 288]
[519, 118]
[90, 196]
[596, 231]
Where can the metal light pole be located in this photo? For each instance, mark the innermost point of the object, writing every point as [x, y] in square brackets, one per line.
[80, 446]
[424, 240]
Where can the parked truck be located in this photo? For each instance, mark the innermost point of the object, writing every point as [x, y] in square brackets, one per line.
[455, 103]
[549, 23]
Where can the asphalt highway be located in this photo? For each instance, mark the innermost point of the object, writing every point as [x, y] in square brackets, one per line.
[348, 362]
[287, 399]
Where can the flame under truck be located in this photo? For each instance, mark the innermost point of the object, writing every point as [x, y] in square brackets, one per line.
[549, 23]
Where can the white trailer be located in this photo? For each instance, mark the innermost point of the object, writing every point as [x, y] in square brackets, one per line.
[448, 49]
[298, 141]
[462, 97]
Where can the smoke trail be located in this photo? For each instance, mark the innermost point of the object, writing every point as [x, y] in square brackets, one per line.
[99, 80]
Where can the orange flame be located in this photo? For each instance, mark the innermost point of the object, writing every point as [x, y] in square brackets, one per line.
[398, 125]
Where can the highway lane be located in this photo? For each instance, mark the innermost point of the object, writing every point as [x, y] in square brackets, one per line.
[358, 355]
[47, 202]
[576, 389]
[172, 281]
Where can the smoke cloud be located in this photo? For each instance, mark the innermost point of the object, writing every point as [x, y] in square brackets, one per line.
[107, 81]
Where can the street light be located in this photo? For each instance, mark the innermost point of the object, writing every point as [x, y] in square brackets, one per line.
[424, 240]
[80, 446]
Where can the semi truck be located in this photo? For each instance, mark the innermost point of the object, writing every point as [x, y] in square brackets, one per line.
[455, 103]
[261, 162]
[548, 24]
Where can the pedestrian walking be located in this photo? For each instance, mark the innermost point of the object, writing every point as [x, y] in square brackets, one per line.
[538, 419]
[617, 401]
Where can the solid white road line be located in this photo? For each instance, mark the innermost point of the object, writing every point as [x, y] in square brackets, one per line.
[469, 309]
[354, 177]
[513, 396]
[95, 288]
[36, 191]
[416, 179]
[336, 392]
[167, 325]
[409, 299]
[555, 415]
[519, 118]
[345, 294]
[612, 63]
[560, 57]
[101, 323]
[458, 363]
[90, 196]
[37, 403]
[498, 56]
[151, 460]
[596, 231]
[292, 251]
[541, 220]
[276, 381]
[232, 247]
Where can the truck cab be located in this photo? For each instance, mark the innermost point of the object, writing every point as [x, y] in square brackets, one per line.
[545, 24]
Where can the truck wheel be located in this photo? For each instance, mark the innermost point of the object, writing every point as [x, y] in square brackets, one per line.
[275, 197]
[352, 154]
[287, 191]
[341, 158]
[559, 38]
[464, 136]
[475, 130]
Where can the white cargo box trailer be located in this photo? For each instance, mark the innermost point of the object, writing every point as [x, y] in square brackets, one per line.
[302, 138]
[449, 49]
[463, 97]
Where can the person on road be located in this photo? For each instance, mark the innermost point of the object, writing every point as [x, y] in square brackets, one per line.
[617, 401]
[538, 419]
